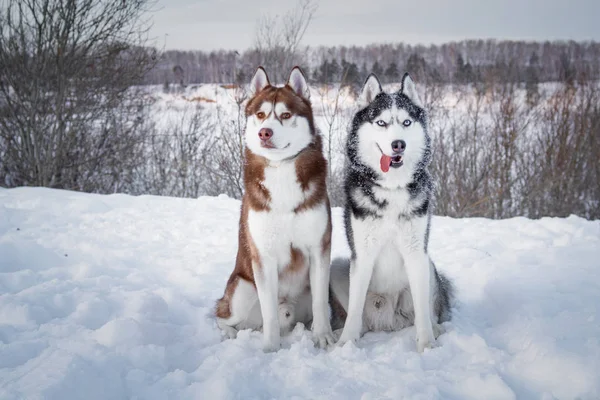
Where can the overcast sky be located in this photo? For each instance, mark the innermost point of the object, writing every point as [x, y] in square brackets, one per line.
[230, 24]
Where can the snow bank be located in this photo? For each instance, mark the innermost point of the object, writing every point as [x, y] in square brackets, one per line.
[109, 297]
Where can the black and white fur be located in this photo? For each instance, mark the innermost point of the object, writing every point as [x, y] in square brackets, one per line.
[389, 282]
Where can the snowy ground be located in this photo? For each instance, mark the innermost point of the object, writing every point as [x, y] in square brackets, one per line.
[109, 297]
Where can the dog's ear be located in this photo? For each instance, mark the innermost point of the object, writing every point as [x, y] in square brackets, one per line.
[259, 81]
[297, 81]
[410, 90]
[369, 91]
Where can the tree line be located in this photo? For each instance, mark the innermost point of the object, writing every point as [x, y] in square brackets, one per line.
[461, 62]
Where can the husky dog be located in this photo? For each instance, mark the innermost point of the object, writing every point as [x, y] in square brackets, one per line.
[281, 275]
[390, 282]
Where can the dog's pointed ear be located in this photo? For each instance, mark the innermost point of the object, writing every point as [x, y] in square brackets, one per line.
[297, 81]
[410, 90]
[369, 91]
[259, 81]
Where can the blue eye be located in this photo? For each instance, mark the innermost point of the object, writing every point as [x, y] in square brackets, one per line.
[381, 123]
[407, 122]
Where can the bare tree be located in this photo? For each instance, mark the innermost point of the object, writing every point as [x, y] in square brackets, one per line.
[461, 157]
[501, 156]
[278, 38]
[560, 166]
[178, 72]
[224, 171]
[336, 115]
[66, 69]
[176, 158]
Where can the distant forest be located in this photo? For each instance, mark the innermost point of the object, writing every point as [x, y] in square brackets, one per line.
[462, 62]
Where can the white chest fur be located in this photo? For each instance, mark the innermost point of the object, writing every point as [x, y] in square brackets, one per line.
[398, 201]
[277, 230]
[273, 232]
[388, 237]
[282, 183]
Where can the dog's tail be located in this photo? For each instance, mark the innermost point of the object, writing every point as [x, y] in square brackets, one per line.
[339, 291]
[444, 296]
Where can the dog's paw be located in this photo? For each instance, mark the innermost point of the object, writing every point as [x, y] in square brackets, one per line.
[347, 339]
[227, 332]
[323, 339]
[342, 342]
[423, 344]
[271, 346]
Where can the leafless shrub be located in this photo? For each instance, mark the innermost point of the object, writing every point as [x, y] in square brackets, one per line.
[459, 155]
[200, 153]
[175, 159]
[66, 69]
[505, 157]
[335, 111]
[225, 169]
[560, 163]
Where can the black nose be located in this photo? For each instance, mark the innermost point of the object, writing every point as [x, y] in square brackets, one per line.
[398, 146]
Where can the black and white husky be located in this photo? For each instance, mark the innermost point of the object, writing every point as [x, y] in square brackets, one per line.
[390, 282]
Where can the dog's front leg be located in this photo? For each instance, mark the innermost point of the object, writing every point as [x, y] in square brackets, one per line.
[319, 284]
[266, 276]
[418, 271]
[361, 270]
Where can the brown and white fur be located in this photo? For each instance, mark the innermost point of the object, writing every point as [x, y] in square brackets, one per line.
[281, 275]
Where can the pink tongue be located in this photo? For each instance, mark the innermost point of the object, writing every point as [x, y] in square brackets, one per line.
[385, 162]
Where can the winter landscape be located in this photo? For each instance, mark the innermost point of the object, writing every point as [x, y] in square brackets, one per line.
[121, 173]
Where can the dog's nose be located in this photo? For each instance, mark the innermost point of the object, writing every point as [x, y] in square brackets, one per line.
[398, 146]
[265, 133]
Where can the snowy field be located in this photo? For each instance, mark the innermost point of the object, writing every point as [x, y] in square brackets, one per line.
[109, 297]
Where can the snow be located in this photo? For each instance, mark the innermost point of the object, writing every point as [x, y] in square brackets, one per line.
[110, 297]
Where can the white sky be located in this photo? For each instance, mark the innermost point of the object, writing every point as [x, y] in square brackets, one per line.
[230, 24]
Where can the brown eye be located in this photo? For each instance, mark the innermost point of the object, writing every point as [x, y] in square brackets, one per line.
[286, 115]
[260, 115]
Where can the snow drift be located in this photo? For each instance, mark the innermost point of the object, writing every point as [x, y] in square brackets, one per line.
[110, 297]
